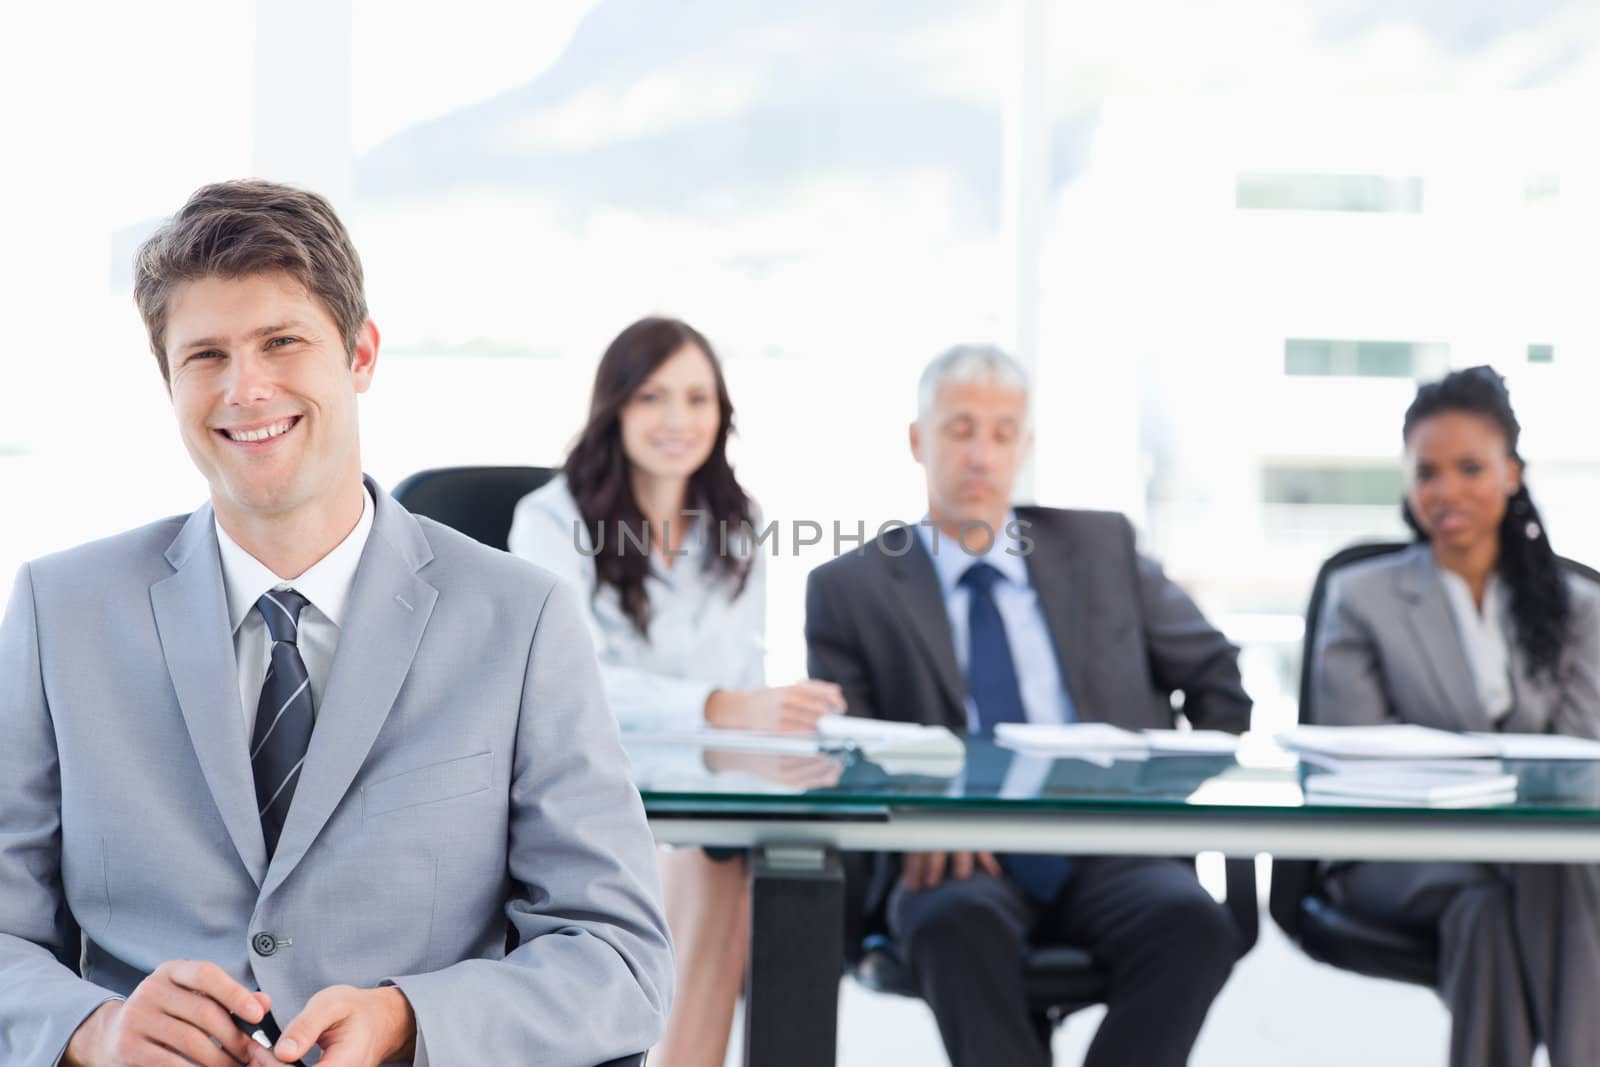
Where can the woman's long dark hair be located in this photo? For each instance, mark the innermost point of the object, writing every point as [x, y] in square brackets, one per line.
[1541, 608]
[597, 470]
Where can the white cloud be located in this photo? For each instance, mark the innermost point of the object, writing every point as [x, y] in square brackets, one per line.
[653, 105]
[414, 60]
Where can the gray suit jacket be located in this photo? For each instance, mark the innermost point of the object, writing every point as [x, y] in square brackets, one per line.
[464, 774]
[1388, 650]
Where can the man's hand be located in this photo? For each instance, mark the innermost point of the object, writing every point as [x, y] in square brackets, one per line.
[170, 1020]
[355, 1027]
[924, 870]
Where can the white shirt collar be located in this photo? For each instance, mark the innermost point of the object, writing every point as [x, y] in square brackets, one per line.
[326, 583]
[1484, 638]
[951, 561]
[1461, 601]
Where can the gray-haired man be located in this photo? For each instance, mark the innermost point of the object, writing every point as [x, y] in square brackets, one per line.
[988, 614]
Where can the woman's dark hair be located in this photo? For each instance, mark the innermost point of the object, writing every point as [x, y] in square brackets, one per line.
[1540, 603]
[597, 470]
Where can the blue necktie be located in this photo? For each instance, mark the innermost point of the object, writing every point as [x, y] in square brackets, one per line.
[992, 684]
[283, 716]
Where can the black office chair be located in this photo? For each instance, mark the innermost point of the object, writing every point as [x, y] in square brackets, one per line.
[1298, 900]
[1058, 979]
[478, 501]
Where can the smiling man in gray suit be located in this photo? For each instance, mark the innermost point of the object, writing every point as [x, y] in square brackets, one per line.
[300, 757]
[986, 614]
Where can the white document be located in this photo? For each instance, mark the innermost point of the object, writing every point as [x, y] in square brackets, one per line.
[1416, 787]
[1191, 742]
[877, 737]
[1391, 741]
[1542, 746]
[1494, 800]
[1478, 766]
[1077, 738]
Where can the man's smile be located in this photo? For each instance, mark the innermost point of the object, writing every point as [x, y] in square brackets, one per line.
[258, 433]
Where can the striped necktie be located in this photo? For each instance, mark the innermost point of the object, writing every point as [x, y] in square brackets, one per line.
[283, 715]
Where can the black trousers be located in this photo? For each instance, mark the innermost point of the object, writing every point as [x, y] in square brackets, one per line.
[1165, 945]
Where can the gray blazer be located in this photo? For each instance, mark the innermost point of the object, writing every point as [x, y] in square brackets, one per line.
[464, 774]
[1388, 650]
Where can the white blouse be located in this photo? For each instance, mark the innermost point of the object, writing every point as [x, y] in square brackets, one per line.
[702, 637]
[1483, 638]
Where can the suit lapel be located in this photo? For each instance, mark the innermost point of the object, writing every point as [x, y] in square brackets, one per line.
[388, 611]
[1057, 574]
[1433, 628]
[1532, 702]
[191, 613]
[916, 586]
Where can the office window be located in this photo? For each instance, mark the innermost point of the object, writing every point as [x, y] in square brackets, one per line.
[1348, 486]
[824, 192]
[1328, 192]
[1363, 359]
[1542, 190]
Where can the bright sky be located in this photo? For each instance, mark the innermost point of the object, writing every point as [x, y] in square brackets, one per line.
[415, 60]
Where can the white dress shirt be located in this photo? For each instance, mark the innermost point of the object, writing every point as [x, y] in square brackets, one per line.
[1483, 638]
[702, 637]
[1033, 653]
[325, 585]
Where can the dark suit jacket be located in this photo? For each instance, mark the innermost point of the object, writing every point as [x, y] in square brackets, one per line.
[1127, 637]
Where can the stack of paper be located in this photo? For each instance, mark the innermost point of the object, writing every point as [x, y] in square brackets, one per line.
[1191, 742]
[877, 737]
[1390, 741]
[1073, 739]
[1403, 766]
[1541, 746]
[1100, 739]
[1436, 788]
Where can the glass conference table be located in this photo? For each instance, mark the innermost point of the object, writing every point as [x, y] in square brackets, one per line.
[795, 811]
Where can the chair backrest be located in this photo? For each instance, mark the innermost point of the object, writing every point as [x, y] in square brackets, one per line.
[1294, 880]
[1319, 591]
[478, 501]
[1582, 570]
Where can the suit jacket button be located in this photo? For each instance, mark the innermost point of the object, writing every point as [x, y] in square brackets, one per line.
[264, 944]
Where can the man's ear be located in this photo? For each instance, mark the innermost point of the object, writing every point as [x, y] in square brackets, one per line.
[365, 359]
[915, 437]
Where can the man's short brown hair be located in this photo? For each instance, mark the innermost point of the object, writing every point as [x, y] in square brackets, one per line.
[239, 228]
